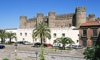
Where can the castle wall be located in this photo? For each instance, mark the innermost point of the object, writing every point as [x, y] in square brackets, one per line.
[31, 23]
[63, 23]
[53, 20]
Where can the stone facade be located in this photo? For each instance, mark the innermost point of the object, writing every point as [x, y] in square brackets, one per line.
[61, 20]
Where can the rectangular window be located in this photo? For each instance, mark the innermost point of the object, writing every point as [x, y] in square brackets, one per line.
[20, 34]
[23, 39]
[95, 32]
[94, 42]
[70, 25]
[84, 43]
[63, 34]
[54, 34]
[84, 32]
[25, 34]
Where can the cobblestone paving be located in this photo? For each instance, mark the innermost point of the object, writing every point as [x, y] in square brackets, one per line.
[26, 52]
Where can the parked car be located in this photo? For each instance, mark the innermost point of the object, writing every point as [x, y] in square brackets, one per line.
[23, 42]
[48, 45]
[28, 43]
[39, 44]
[20, 42]
[71, 46]
[56, 45]
[78, 47]
[2, 46]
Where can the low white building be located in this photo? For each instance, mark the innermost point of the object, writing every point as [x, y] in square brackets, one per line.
[26, 34]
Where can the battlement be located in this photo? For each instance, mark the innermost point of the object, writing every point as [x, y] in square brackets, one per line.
[83, 8]
[31, 20]
[64, 16]
[51, 13]
[98, 19]
[40, 15]
[23, 17]
[91, 15]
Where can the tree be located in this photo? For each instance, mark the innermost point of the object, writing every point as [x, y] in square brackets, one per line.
[11, 35]
[93, 52]
[97, 50]
[3, 35]
[42, 31]
[89, 53]
[64, 41]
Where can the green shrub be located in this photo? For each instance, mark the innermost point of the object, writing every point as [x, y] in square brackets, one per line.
[5, 59]
[89, 53]
[18, 59]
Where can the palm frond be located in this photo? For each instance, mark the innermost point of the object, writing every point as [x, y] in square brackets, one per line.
[41, 31]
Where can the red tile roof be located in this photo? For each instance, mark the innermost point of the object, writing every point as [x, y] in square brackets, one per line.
[90, 23]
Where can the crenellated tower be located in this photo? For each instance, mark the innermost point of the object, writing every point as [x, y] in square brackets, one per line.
[51, 19]
[91, 17]
[40, 18]
[80, 13]
[23, 21]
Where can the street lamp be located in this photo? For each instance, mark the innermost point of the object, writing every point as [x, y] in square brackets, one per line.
[16, 50]
[36, 52]
[16, 46]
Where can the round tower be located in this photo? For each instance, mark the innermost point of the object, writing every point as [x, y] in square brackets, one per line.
[23, 21]
[80, 15]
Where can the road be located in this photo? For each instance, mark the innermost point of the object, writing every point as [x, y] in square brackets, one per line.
[27, 52]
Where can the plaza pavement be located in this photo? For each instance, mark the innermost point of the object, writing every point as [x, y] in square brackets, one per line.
[27, 52]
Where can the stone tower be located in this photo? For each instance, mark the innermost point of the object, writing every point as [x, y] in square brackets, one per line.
[23, 21]
[92, 17]
[80, 15]
[40, 18]
[51, 19]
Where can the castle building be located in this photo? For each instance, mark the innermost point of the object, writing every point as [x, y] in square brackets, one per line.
[53, 20]
[77, 19]
[61, 25]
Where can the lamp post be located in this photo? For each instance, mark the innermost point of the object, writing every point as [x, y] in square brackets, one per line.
[36, 52]
[16, 46]
[16, 50]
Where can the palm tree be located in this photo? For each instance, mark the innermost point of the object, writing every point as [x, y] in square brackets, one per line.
[11, 35]
[3, 35]
[64, 41]
[42, 31]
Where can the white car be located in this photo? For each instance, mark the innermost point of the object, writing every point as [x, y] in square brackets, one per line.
[78, 47]
[28, 43]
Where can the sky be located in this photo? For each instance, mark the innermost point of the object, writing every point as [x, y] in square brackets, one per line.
[11, 10]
